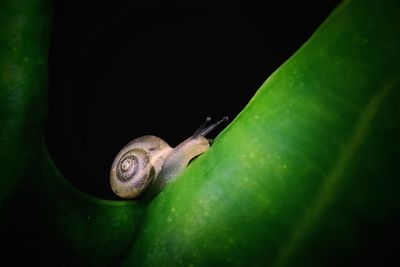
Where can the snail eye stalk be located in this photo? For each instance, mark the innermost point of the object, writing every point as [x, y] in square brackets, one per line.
[203, 129]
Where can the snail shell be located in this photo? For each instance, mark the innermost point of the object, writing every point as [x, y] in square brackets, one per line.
[137, 164]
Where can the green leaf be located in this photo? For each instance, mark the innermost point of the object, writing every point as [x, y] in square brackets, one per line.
[84, 230]
[24, 30]
[306, 175]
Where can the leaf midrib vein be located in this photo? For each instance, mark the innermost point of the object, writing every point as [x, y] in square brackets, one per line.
[330, 183]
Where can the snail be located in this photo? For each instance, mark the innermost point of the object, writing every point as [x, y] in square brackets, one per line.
[148, 161]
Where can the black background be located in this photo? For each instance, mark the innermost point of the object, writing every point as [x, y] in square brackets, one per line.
[122, 69]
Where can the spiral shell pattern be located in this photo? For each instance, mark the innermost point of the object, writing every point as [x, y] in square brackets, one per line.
[136, 165]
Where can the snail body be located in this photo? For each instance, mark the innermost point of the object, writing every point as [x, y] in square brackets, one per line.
[149, 161]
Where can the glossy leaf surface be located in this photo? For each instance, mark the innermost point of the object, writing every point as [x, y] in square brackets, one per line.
[307, 174]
